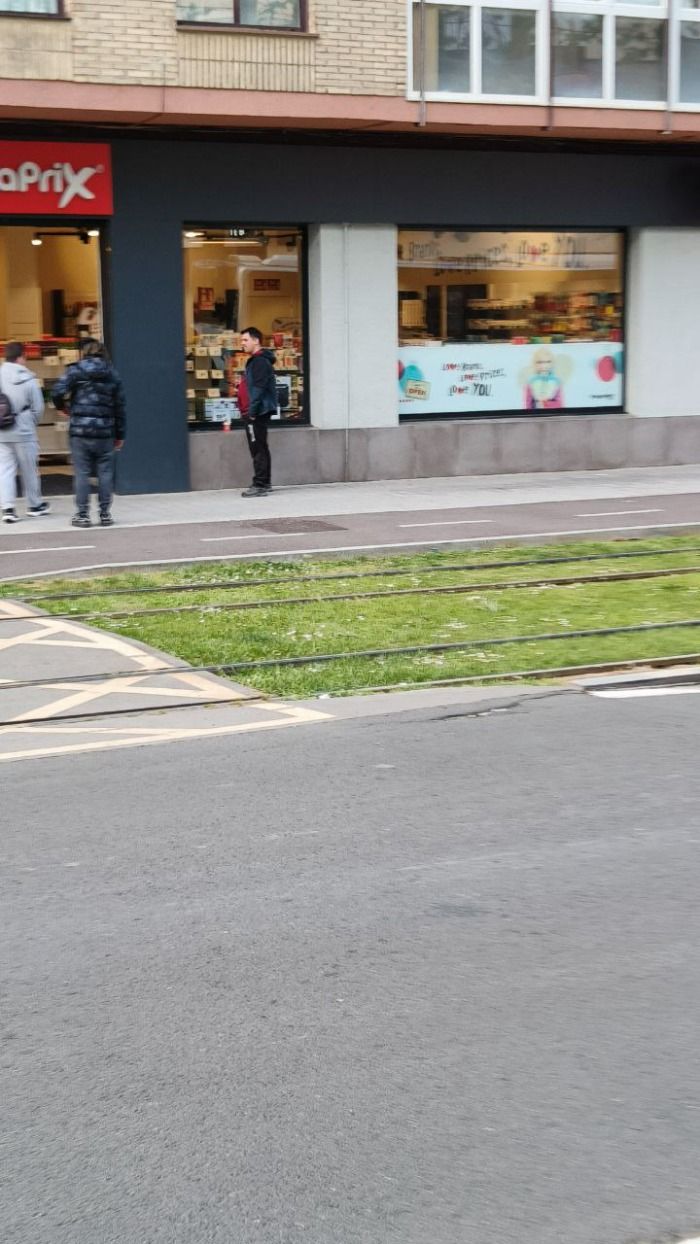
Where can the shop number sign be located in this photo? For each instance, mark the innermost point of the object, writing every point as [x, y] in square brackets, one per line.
[55, 179]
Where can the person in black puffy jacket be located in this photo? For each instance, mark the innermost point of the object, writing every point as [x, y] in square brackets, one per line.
[91, 394]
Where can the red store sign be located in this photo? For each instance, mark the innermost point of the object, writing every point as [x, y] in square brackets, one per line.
[55, 179]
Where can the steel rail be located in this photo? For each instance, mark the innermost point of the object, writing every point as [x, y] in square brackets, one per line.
[450, 589]
[561, 671]
[228, 667]
[280, 580]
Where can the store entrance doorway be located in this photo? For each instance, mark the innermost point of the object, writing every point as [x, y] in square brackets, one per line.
[50, 297]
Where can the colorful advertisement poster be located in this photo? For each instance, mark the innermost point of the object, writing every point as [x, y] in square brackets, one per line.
[475, 379]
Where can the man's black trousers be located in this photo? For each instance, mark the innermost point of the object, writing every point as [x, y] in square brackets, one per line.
[256, 431]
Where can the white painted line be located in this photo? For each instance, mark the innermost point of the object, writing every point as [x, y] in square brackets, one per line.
[348, 548]
[453, 522]
[629, 693]
[260, 535]
[615, 513]
[56, 548]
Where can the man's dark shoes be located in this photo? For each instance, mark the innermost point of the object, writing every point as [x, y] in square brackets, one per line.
[80, 520]
[106, 520]
[255, 491]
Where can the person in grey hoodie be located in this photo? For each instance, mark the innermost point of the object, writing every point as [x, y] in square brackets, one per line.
[19, 445]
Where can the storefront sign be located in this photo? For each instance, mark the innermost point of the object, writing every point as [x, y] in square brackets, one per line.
[52, 179]
[471, 379]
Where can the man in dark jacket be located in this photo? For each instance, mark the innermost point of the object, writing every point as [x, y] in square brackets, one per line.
[257, 400]
[94, 395]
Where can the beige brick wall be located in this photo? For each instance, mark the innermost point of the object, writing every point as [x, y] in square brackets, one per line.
[36, 49]
[128, 41]
[237, 61]
[355, 47]
[362, 47]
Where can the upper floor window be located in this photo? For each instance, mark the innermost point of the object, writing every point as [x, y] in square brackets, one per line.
[38, 8]
[592, 51]
[258, 14]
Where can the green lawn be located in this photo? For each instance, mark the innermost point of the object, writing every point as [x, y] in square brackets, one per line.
[205, 636]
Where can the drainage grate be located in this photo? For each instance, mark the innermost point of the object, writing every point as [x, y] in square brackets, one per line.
[293, 526]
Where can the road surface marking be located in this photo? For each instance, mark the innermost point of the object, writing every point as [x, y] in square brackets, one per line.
[629, 693]
[345, 548]
[615, 513]
[288, 715]
[50, 548]
[260, 535]
[452, 522]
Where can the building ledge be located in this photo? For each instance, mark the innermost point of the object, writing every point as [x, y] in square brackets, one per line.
[185, 107]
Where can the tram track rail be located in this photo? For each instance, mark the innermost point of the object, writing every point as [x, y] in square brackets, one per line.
[512, 676]
[224, 668]
[392, 572]
[453, 589]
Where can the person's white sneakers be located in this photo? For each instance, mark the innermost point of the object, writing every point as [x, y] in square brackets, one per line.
[37, 511]
[9, 516]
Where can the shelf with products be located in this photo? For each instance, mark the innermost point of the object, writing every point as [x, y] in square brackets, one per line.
[214, 367]
[582, 316]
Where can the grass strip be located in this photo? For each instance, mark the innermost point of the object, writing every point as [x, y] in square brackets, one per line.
[278, 629]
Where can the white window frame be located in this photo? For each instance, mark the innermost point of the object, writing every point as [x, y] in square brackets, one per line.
[673, 11]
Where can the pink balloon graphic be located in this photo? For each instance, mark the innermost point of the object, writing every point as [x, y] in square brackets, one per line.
[606, 368]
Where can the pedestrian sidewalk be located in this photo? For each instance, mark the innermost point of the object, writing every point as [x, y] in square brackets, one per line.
[382, 496]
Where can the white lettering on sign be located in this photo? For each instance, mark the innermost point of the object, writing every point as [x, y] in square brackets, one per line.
[61, 179]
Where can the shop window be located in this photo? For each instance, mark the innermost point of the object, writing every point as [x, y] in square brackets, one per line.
[261, 14]
[493, 323]
[33, 8]
[49, 298]
[236, 278]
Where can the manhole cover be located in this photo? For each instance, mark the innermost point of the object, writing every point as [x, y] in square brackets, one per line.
[294, 526]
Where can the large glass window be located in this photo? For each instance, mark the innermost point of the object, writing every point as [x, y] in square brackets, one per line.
[236, 278]
[445, 39]
[264, 14]
[507, 52]
[502, 322]
[640, 54]
[577, 55]
[598, 50]
[690, 63]
[37, 8]
[50, 297]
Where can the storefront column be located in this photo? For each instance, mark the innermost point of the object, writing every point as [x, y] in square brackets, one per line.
[663, 311]
[353, 295]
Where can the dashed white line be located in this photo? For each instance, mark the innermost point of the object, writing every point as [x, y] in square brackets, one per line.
[260, 535]
[350, 548]
[452, 522]
[51, 548]
[615, 513]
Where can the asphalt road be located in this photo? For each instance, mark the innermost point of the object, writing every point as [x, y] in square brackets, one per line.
[431, 977]
[31, 550]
